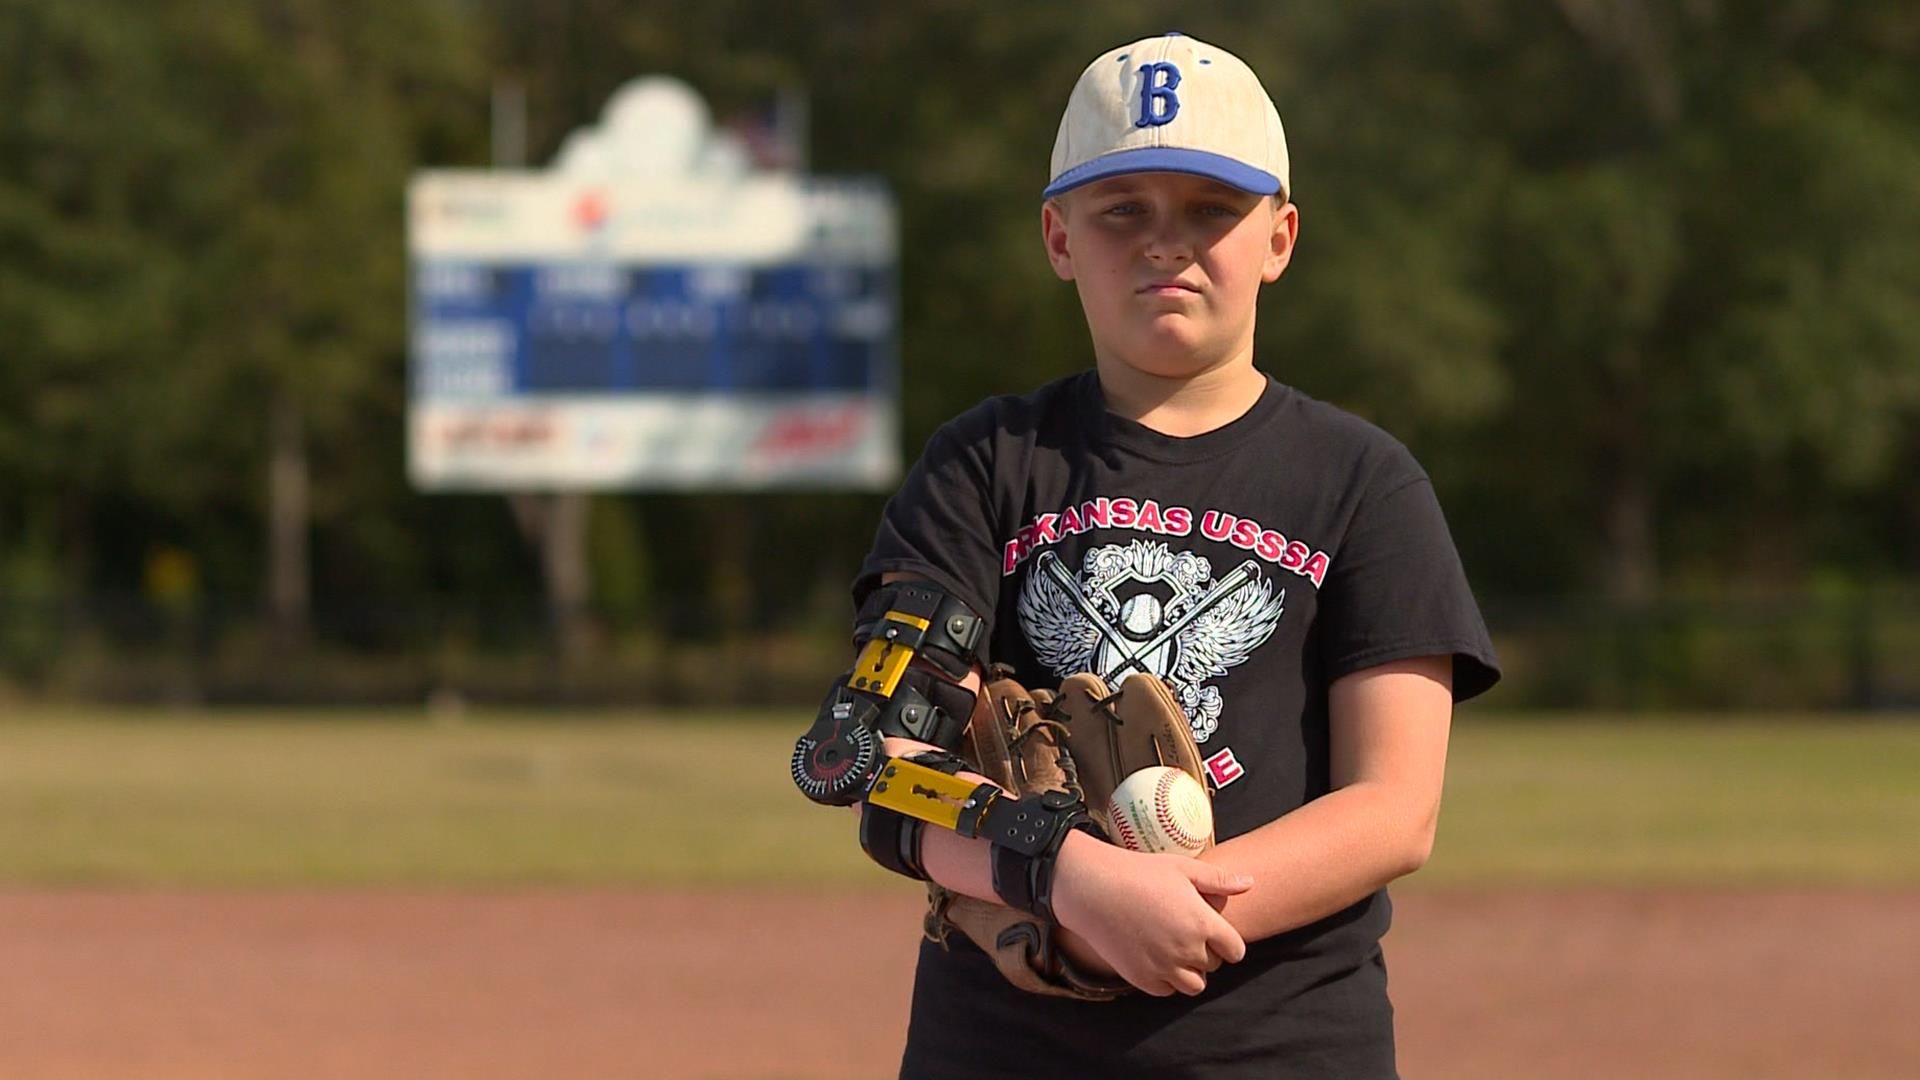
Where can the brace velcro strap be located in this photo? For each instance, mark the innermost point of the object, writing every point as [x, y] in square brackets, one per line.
[927, 708]
[952, 635]
[1027, 834]
[907, 714]
[1013, 879]
[1026, 882]
[893, 840]
[1040, 871]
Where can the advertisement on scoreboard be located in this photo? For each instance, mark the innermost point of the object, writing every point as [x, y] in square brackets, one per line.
[652, 313]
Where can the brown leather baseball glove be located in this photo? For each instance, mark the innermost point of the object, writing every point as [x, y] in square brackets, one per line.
[1085, 738]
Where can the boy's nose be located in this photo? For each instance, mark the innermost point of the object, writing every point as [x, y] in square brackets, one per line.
[1168, 246]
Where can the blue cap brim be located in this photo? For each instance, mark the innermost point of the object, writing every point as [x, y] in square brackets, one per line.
[1166, 159]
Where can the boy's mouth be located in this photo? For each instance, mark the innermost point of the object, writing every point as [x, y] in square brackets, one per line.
[1166, 288]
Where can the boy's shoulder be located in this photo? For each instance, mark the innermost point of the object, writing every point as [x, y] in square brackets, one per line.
[1343, 437]
[1347, 458]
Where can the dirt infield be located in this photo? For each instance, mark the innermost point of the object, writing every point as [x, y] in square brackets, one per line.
[607, 984]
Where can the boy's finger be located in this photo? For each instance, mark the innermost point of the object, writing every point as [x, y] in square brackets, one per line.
[1188, 982]
[1212, 879]
[1224, 941]
[1154, 987]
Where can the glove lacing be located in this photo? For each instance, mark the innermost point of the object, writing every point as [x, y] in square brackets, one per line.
[1047, 719]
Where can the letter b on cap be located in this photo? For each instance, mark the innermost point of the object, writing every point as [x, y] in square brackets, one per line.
[1158, 103]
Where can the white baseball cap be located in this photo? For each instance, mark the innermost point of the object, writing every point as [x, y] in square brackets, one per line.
[1170, 104]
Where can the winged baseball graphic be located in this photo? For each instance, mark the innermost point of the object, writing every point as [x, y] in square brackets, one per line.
[1142, 606]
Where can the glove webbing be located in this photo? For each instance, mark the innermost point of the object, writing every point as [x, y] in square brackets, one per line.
[1057, 730]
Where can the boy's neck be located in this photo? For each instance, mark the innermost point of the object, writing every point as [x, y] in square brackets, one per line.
[1182, 407]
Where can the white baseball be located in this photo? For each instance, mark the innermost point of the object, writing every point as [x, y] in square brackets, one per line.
[1161, 808]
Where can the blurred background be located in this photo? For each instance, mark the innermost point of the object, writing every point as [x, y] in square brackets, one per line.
[1636, 282]
[1639, 283]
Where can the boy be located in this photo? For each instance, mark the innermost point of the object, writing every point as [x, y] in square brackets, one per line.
[1282, 564]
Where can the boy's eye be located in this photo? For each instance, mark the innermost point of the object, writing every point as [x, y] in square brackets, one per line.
[1135, 208]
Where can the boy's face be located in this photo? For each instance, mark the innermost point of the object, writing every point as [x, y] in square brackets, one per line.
[1168, 265]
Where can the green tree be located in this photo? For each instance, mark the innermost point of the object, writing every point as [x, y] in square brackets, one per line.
[205, 270]
[1708, 248]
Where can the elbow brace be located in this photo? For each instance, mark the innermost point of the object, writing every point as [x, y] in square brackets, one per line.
[839, 756]
[839, 760]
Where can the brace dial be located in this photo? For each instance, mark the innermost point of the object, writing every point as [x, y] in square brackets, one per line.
[835, 761]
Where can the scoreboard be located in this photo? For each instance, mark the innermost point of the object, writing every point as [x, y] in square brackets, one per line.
[573, 333]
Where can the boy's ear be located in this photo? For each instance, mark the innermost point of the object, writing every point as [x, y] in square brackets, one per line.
[1053, 233]
[1286, 229]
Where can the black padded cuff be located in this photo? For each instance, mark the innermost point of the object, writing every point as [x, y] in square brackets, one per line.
[924, 707]
[1034, 824]
[1027, 835]
[893, 840]
[1042, 870]
[1013, 878]
[943, 713]
[952, 637]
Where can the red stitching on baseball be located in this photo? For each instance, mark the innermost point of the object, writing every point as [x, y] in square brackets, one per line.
[1127, 839]
[1163, 809]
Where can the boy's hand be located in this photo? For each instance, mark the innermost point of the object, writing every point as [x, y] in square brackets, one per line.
[1147, 916]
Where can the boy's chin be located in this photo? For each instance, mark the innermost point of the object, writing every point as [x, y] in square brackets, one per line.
[1168, 357]
[1182, 367]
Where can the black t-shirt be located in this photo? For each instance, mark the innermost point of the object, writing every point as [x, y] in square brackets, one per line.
[1250, 566]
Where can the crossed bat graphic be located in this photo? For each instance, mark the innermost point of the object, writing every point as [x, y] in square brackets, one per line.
[1049, 564]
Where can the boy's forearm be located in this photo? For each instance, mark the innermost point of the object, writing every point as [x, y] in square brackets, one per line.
[961, 864]
[1317, 860]
[1321, 858]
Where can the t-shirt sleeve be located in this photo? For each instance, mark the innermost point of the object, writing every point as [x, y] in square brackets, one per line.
[1397, 590]
[940, 526]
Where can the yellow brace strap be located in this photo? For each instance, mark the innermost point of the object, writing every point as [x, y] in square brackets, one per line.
[885, 659]
[928, 794]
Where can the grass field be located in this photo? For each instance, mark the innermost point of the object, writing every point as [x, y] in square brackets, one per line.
[366, 798]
